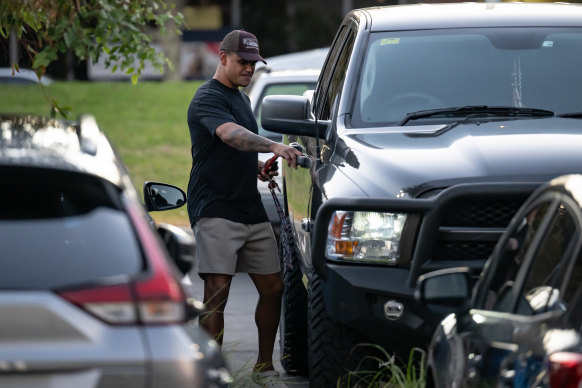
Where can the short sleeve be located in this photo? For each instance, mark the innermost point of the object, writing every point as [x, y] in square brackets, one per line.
[211, 109]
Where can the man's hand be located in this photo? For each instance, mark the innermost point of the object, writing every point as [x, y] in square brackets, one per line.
[266, 176]
[290, 154]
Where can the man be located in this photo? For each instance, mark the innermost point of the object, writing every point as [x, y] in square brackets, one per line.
[230, 224]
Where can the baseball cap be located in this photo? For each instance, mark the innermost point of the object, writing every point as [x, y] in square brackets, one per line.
[244, 44]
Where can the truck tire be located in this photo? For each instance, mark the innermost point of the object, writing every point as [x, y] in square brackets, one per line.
[293, 323]
[330, 343]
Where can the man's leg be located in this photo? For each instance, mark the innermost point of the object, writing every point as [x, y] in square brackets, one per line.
[216, 289]
[267, 313]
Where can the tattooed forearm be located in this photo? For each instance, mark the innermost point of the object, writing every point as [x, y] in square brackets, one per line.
[244, 140]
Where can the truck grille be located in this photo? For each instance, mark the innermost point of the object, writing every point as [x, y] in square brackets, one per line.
[463, 250]
[483, 213]
[469, 226]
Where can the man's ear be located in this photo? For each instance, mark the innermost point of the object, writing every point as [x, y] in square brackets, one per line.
[223, 57]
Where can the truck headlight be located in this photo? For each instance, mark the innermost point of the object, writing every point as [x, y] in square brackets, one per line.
[367, 237]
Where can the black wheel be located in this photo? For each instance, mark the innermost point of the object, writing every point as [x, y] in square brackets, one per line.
[329, 343]
[293, 323]
[338, 356]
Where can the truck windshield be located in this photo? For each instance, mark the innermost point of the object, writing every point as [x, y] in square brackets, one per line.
[406, 72]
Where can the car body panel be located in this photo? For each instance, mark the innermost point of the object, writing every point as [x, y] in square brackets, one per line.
[49, 325]
[419, 162]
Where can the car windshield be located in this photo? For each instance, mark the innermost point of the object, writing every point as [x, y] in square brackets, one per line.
[61, 229]
[407, 72]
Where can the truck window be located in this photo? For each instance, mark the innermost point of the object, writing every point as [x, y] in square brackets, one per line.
[333, 73]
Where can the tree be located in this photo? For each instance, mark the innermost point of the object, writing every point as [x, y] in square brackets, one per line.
[46, 29]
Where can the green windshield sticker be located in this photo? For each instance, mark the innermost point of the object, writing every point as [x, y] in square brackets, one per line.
[386, 41]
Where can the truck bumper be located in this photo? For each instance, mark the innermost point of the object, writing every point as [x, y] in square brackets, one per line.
[356, 296]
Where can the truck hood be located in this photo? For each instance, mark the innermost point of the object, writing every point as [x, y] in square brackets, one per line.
[410, 161]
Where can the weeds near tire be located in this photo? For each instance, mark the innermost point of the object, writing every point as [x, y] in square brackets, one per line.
[388, 374]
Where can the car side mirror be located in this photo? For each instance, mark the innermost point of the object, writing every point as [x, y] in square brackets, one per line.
[162, 196]
[445, 291]
[290, 115]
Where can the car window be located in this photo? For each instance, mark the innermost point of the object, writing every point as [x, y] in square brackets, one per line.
[338, 77]
[410, 71]
[328, 66]
[295, 88]
[334, 71]
[543, 281]
[62, 229]
[501, 289]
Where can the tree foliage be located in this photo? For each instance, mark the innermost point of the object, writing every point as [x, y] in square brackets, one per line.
[119, 28]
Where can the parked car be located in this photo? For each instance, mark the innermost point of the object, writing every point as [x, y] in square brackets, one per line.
[267, 82]
[429, 127]
[181, 245]
[22, 76]
[298, 60]
[89, 297]
[521, 325]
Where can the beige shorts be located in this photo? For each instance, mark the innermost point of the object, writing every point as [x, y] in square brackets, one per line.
[227, 247]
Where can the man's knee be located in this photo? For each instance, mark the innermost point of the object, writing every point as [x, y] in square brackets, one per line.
[274, 290]
[216, 290]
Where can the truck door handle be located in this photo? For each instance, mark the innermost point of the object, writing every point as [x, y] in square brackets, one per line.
[297, 146]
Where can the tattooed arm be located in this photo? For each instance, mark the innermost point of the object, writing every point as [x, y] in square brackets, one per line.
[242, 139]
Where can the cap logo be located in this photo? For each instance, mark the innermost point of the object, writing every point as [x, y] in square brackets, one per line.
[250, 43]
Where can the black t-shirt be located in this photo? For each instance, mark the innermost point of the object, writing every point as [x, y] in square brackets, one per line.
[223, 180]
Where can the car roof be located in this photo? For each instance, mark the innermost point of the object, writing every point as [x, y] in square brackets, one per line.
[265, 76]
[459, 15]
[292, 75]
[309, 59]
[43, 142]
[22, 76]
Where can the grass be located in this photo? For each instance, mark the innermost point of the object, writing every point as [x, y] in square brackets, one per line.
[388, 374]
[146, 122]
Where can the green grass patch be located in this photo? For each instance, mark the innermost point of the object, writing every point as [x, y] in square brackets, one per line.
[146, 123]
[387, 373]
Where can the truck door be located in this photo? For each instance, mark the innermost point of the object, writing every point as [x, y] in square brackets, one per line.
[302, 186]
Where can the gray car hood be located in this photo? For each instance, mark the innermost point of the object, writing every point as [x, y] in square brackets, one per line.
[406, 161]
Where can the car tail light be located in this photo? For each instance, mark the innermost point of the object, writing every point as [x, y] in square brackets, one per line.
[155, 299]
[565, 370]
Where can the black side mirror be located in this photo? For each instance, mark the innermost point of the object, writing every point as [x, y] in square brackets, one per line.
[162, 196]
[445, 291]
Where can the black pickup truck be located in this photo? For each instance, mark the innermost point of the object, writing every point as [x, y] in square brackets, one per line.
[429, 126]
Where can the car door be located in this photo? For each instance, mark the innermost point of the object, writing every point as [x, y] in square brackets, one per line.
[523, 297]
[302, 186]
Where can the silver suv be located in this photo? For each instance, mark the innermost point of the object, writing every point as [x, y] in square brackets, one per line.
[88, 294]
